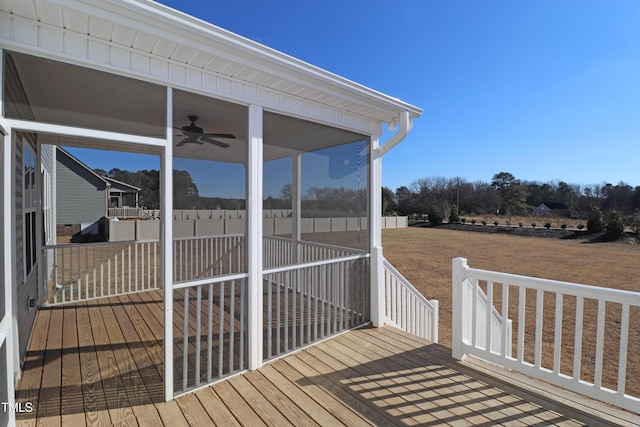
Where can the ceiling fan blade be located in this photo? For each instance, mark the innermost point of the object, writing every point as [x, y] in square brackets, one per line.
[214, 141]
[181, 143]
[220, 135]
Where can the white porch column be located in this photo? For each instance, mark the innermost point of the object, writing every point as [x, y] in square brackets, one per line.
[375, 209]
[254, 235]
[166, 216]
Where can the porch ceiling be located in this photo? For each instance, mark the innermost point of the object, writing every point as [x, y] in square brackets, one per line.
[156, 30]
[75, 96]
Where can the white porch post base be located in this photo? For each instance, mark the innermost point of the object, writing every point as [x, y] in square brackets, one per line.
[377, 288]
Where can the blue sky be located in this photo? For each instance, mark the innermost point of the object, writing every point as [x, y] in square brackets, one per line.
[545, 89]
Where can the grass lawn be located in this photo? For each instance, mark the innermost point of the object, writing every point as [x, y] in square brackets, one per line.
[423, 256]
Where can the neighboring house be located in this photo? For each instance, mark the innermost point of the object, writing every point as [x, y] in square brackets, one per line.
[551, 208]
[83, 197]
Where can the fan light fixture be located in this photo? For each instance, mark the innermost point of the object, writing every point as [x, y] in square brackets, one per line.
[195, 134]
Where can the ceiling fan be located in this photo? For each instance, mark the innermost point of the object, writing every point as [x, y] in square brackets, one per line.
[195, 134]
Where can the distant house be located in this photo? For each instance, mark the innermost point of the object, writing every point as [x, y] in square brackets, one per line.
[83, 196]
[551, 208]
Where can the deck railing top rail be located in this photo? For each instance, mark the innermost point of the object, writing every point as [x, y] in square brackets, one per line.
[317, 244]
[567, 288]
[575, 336]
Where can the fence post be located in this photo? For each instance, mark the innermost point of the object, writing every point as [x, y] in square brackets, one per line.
[459, 266]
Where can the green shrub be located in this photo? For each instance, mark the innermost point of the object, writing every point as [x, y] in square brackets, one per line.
[463, 220]
[615, 226]
[520, 224]
[635, 225]
[595, 222]
[473, 221]
[484, 222]
[453, 216]
[533, 224]
[547, 225]
[496, 223]
[563, 226]
[580, 226]
[434, 216]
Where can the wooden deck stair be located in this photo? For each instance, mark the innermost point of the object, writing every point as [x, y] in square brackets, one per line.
[100, 363]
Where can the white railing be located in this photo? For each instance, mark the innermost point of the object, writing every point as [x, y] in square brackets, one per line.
[210, 324]
[406, 308]
[94, 270]
[574, 336]
[279, 251]
[125, 213]
[201, 257]
[309, 302]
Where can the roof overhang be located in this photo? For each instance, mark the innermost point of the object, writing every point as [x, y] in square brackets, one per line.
[148, 40]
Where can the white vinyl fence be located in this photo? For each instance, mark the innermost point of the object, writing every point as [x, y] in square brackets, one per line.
[574, 336]
[198, 224]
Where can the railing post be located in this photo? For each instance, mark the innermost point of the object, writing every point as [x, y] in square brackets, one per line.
[459, 266]
[436, 320]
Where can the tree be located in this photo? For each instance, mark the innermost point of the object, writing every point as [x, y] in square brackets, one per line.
[615, 226]
[406, 201]
[389, 205]
[595, 222]
[185, 191]
[435, 217]
[453, 216]
[512, 193]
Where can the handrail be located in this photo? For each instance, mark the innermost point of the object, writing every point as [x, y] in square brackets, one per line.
[406, 308]
[317, 244]
[547, 312]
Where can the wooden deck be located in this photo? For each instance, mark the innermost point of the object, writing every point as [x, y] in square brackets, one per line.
[100, 363]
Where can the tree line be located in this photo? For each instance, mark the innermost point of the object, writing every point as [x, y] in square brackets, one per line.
[317, 201]
[507, 195]
[185, 191]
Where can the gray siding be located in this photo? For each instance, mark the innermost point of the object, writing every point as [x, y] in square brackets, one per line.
[81, 196]
[17, 105]
[25, 290]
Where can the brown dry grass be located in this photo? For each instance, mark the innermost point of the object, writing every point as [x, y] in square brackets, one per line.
[423, 256]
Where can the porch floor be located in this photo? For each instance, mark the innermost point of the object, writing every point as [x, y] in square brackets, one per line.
[99, 363]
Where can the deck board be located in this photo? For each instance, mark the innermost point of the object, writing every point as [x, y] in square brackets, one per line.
[100, 363]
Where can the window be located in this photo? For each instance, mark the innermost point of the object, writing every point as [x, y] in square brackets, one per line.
[29, 208]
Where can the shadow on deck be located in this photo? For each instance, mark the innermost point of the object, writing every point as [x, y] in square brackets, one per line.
[100, 362]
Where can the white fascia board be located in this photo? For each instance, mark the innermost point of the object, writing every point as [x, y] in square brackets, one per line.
[167, 23]
[30, 126]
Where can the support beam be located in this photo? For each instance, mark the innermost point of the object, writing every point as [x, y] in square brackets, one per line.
[166, 216]
[375, 212]
[254, 235]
